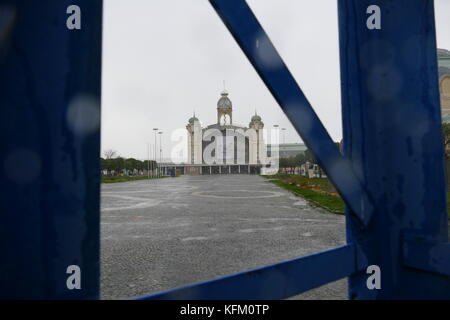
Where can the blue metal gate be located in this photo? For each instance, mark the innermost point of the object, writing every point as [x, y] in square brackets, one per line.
[391, 175]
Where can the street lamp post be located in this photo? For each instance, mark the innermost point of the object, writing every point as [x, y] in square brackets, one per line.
[148, 160]
[276, 126]
[155, 130]
[160, 150]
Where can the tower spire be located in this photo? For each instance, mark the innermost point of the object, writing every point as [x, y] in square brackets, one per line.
[224, 92]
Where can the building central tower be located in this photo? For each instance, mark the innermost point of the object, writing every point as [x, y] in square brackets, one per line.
[224, 110]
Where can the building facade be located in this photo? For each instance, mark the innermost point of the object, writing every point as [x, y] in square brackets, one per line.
[286, 150]
[444, 82]
[225, 147]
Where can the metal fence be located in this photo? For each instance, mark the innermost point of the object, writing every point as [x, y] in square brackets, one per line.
[391, 175]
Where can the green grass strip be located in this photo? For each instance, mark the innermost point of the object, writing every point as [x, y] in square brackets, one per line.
[331, 203]
[326, 201]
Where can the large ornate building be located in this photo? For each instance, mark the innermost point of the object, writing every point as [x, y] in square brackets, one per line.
[225, 147]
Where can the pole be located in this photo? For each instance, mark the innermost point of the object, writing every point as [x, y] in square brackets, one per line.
[50, 90]
[152, 166]
[148, 160]
[277, 132]
[392, 134]
[154, 151]
[160, 150]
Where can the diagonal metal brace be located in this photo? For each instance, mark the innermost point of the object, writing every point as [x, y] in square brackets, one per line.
[277, 281]
[258, 48]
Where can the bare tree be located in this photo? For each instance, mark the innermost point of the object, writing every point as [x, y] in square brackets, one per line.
[110, 154]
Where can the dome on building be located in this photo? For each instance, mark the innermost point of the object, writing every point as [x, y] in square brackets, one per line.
[191, 120]
[256, 122]
[256, 118]
[224, 102]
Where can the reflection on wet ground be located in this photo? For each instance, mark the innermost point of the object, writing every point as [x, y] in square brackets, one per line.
[160, 234]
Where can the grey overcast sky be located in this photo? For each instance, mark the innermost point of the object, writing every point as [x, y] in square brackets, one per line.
[164, 58]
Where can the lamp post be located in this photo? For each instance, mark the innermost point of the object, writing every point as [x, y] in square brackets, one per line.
[276, 126]
[160, 150]
[155, 130]
[284, 135]
[148, 160]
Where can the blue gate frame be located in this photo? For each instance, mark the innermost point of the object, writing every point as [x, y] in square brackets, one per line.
[391, 175]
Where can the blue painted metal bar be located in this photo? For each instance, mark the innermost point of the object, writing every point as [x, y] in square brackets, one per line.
[49, 149]
[276, 281]
[393, 136]
[427, 255]
[258, 48]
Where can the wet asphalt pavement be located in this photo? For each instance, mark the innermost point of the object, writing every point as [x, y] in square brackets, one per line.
[161, 234]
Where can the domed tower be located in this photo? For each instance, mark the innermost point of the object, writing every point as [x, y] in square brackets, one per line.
[194, 129]
[224, 109]
[256, 140]
[256, 122]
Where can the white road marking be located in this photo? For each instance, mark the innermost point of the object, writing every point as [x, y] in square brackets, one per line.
[261, 229]
[194, 238]
[269, 194]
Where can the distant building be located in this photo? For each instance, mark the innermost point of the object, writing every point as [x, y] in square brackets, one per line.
[444, 82]
[444, 61]
[286, 150]
[224, 147]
